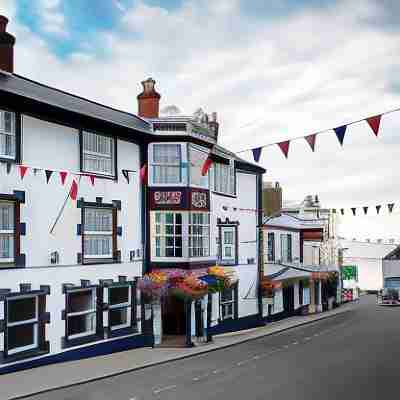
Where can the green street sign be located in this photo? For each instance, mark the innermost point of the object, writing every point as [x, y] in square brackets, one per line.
[349, 272]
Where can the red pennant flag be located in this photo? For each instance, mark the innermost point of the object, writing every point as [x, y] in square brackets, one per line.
[374, 123]
[143, 174]
[311, 140]
[73, 192]
[63, 176]
[22, 171]
[284, 146]
[92, 178]
[206, 166]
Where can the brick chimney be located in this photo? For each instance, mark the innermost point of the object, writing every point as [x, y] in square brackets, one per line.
[148, 100]
[7, 42]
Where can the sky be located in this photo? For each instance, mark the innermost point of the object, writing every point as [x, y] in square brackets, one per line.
[273, 70]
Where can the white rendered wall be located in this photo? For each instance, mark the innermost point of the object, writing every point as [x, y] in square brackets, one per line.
[391, 268]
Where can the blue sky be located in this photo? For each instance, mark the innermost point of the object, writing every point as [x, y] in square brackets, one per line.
[271, 69]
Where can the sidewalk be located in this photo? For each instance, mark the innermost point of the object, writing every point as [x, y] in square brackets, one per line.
[33, 381]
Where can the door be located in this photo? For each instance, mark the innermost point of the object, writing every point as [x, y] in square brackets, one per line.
[173, 316]
[228, 245]
[288, 299]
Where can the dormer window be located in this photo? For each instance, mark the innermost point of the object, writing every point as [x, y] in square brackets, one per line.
[7, 134]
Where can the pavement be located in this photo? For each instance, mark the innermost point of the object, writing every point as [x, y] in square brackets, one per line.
[144, 373]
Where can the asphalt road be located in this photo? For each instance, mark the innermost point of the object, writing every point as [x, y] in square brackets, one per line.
[354, 355]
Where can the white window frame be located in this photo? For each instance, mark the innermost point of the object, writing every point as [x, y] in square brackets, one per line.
[9, 233]
[231, 260]
[179, 165]
[224, 304]
[105, 156]
[271, 247]
[160, 232]
[196, 237]
[198, 167]
[32, 321]
[285, 247]
[92, 310]
[218, 177]
[4, 134]
[126, 306]
[92, 234]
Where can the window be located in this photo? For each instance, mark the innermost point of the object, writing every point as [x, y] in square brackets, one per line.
[98, 154]
[199, 234]
[227, 302]
[7, 231]
[286, 247]
[166, 163]
[197, 159]
[119, 307]
[81, 313]
[98, 233]
[168, 235]
[228, 245]
[223, 176]
[22, 324]
[7, 134]
[271, 246]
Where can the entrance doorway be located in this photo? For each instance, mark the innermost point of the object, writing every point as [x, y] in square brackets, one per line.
[173, 322]
[288, 299]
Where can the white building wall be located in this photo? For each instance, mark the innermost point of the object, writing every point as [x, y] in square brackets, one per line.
[391, 269]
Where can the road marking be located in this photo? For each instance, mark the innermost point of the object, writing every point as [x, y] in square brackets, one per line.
[316, 334]
[295, 342]
[256, 357]
[285, 346]
[216, 371]
[157, 391]
[307, 338]
[197, 378]
[243, 362]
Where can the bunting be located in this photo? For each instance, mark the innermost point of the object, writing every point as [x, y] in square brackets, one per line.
[207, 164]
[8, 168]
[36, 170]
[125, 173]
[284, 146]
[73, 192]
[257, 153]
[365, 208]
[340, 132]
[92, 178]
[48, 175]
[390, 207]
[63, 176]
[378, 208]
[22, 171]
[342, 211]
[374, 123]
[353, 210]
[143, 174]
[311, 140]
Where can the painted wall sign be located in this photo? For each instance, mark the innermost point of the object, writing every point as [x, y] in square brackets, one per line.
[199, 200]
[179, 199]
[173, 198]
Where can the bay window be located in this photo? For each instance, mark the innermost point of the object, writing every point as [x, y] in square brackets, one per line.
[168, 234]
[7, 134]
[166, 162]
[98, 154]
[22, 324]
[99, 231]
[81, 313]
[197, 158]
[223, 178]
[7, 225]
[199, 234]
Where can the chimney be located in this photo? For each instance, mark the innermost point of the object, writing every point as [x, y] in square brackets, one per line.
[148, 100]
[214, 124]
[7, 42]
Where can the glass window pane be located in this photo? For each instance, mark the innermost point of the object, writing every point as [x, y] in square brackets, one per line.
[169, 229]
[21, 309]
[169, 252]
[80, 301]
[82, 324]
[118, 317]
[22, 336]
[118, 295]
[178, 219]
[169, 218]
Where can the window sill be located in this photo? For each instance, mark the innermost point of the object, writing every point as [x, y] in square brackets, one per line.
[233, 196]
[67, 343]
[100, 176]
[122, 332]
[7, 159]
[95, 261]
[24, 355]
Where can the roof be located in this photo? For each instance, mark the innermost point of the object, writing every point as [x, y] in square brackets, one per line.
[281, 272]
[21, 86]
[394, 254]
[293, 222]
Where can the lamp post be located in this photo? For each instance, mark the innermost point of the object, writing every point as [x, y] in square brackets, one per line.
[341, 257]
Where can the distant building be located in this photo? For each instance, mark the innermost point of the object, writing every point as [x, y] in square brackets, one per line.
[271, 198]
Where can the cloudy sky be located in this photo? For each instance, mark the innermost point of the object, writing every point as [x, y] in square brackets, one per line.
[271, 69]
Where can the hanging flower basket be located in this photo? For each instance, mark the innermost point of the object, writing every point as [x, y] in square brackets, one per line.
[154, 285]
[226, 276]
[190, 288]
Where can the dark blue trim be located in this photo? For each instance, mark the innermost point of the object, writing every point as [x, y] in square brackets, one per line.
[119, 230]
[22, 228]
[232, 325]
[99, 349]
[79, 229]
[20, 196]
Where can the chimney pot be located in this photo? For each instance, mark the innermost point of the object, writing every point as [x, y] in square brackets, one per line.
[7, 42]
[3, 23]
[148, 100]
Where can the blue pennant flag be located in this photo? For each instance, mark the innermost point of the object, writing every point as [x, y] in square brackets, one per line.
[256, 153]
[340, 132]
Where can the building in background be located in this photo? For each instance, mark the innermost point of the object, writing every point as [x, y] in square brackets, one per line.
[271, 198]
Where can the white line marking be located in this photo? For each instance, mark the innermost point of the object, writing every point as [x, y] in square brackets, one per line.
[164, 389]
[285, 346]
[295, 343]
[197, 378]
[256, 357]
[216, 371]
[242, 362]
[307, 338]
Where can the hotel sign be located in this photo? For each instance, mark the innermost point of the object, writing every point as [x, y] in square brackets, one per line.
[171, 198]
[179, 199]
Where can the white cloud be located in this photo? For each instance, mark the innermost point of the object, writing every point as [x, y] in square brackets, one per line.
[52, 18]
[290, 76]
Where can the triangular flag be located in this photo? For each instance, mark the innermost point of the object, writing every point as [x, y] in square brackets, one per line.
[334, 210]
[206, 166]
[284, 146]
[342, 211]
[311, 140]
[73, 192]
[48, 174]
[125, 173]
[22, 171]
[390, 207]
[374, 123]
[340, 132]
[35, 171]
[256, 153]
[63, 175]
[378, 208]
[365, 210]
[353, 209]
[143, 174]
[8, 167]
[92, 178]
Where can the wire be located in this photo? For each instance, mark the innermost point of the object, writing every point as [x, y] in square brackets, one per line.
[315, 133]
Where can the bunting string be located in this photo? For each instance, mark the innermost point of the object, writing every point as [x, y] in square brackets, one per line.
[340, 131]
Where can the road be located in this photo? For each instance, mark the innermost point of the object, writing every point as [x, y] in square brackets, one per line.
[354, 355]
